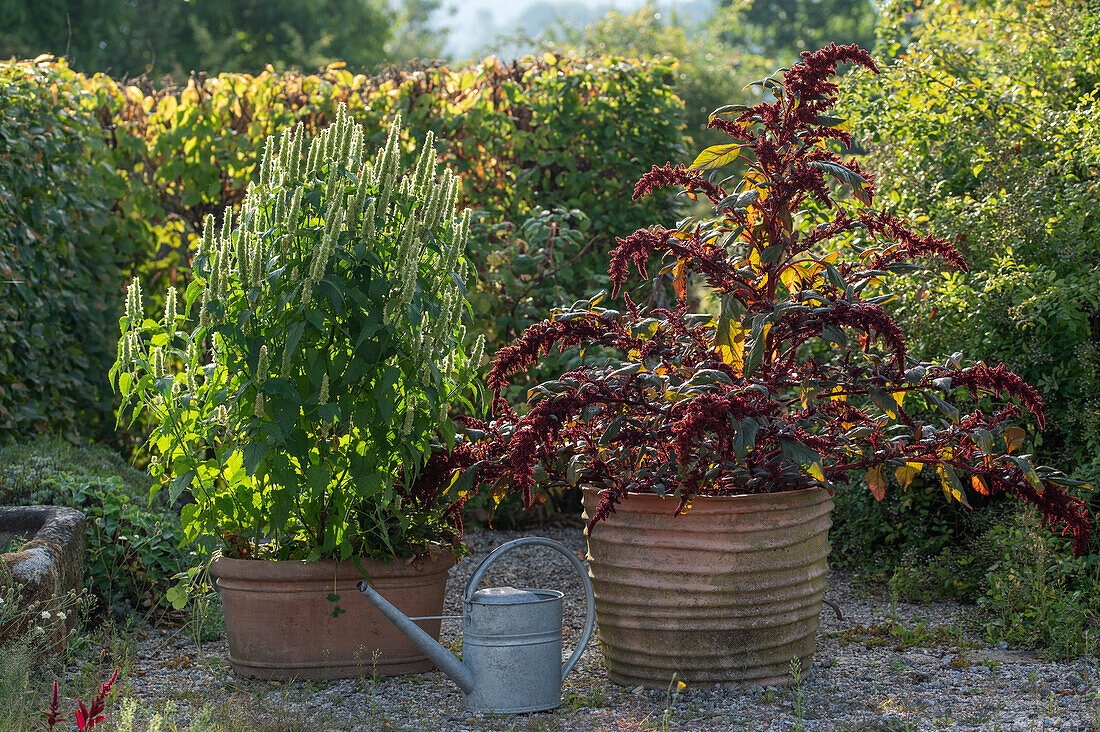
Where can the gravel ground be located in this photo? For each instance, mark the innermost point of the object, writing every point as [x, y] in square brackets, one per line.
[883, 668]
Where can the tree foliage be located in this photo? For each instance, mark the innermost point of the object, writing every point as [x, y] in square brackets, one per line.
[706, 70]
[158, 37]
[781, 29]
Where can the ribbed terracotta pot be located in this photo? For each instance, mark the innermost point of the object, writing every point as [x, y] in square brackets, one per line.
[279, 623]
[727, 593]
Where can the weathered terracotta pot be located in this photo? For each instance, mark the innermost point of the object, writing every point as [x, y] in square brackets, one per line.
[727, 593]
[279, 623]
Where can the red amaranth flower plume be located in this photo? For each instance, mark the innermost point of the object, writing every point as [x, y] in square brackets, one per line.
[671, 175]
[54, 715]
[910, 245]
[1058, 509]
[537, 340]
[86, 718]
[808, 81]
[871, 319]
[999, 380]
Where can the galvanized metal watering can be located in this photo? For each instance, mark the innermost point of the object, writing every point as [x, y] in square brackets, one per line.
[511, 639]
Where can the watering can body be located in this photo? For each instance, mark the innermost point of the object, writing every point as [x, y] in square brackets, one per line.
[511, 640]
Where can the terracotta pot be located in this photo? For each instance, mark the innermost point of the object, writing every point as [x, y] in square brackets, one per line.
[279, 623]
[727, 593]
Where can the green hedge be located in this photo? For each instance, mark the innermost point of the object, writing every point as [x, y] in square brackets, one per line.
[66, 246]
[526, 138]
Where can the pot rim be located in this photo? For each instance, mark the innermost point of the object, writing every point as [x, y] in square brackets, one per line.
[591, 488]
[438, 561]
[780, 502]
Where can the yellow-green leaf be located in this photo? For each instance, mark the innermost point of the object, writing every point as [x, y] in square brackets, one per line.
[952, 488]
[907, 472]
[716, 156]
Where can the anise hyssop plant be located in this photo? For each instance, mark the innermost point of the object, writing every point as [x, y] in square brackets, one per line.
[801, 380]
[298, 389]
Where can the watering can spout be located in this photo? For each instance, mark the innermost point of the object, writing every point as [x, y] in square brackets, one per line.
[459, 672]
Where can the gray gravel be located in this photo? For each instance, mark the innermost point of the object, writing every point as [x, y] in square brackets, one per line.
[883, 668]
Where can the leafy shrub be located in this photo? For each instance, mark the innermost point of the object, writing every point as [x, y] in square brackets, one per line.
[987, 130]
[133, 547]
[907, 527]
[1036, 593]
[990, 115]
[65, 248]
[1029, 587]
[25, 466]
[538, 132]
[703, 74]
[527, 267]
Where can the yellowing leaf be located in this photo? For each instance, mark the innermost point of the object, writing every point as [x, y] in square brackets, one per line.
[754, 259]
[876, 482]
[838, 394]
[754, 178]
[167, 107]
[679, 281]
[801, 275]
[729, 341]
[979, 485]
[952, 488]
[716, 156]
[1014, 438]
[907, 472]
[793, 277]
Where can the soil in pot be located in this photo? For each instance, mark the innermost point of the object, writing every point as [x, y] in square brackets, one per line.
[279, 621]
[727, 593]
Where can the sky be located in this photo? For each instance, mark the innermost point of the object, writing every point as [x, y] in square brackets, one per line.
[476, 24]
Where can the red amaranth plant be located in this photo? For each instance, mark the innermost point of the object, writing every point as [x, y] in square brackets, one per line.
[802, 377]
[85, 717]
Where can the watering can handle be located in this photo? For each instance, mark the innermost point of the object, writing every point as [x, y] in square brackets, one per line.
[582, 572]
